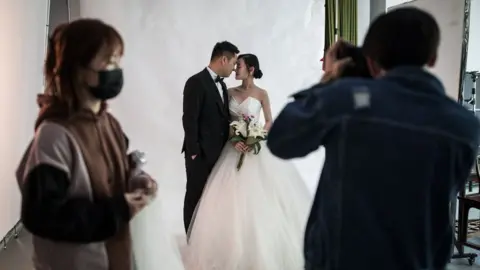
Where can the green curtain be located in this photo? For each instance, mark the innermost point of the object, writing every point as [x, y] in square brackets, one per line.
[347, 20]
[330, 28]
[330, 19]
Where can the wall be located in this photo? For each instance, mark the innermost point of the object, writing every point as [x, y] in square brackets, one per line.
[473, 57]
[58, 14]
[391, 3]
[26, 28]
[363, 16]
[62, 11]
[23, 27]
[368, 10]
[450, 18]
[473, 60]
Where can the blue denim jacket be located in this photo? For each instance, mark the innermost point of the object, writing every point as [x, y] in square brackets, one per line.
[397, 151]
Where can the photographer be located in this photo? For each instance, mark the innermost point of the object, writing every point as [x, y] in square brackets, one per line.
[397, 151]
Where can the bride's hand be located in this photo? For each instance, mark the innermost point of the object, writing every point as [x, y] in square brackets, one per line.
[241, 147]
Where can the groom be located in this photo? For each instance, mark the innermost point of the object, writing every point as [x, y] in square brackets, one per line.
[205, 122]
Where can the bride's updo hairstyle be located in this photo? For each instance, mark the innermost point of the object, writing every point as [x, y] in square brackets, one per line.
[251, 61]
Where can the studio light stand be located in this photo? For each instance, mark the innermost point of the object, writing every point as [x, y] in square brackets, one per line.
[469, 103]
[468, 98]
[469, 87]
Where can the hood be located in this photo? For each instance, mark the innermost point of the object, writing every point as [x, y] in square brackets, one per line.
[52, 109]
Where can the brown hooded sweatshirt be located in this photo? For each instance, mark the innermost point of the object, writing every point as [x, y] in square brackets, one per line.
[73, 177]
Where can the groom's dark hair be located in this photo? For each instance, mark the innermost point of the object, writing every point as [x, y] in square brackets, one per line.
[224, 48]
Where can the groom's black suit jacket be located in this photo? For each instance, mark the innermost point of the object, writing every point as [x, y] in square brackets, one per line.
[205, 117]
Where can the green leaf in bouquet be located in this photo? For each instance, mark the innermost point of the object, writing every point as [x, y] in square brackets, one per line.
[237, 139]
[257, 148]
[240, 161]
[251, 141]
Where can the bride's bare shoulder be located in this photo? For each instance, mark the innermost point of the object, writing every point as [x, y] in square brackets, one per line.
[261, 93]
[232, 90]
[235, 88]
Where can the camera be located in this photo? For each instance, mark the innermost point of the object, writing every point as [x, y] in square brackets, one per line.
[359, 67]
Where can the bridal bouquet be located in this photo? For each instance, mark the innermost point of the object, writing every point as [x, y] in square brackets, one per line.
[248, 131]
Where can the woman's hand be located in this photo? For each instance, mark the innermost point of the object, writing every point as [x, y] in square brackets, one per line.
[151, 189]
[145, 183]
[136, 201]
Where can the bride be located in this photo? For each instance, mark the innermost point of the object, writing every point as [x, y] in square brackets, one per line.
[253, 218]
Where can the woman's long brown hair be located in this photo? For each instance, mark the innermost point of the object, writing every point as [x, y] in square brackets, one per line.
[48, 69]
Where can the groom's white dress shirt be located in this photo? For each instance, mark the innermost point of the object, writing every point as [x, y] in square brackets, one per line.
[218, 84]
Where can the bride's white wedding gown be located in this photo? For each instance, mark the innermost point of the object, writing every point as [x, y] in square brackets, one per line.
[252, 219]
[155, 246]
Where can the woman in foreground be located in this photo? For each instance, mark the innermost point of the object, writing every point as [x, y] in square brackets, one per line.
[75, 175]
[252, 218]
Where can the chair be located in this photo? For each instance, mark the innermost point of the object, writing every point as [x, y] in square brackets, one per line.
[465, 203]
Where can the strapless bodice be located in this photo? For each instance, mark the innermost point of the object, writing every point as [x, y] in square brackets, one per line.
[249, 106]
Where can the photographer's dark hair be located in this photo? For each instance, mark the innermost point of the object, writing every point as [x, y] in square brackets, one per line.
[251, 61]
[224, 48]
[358, 67]
[402, 37]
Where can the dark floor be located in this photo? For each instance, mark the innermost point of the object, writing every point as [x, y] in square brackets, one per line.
[17, 256]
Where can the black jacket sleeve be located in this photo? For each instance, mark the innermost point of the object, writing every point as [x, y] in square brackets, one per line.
[48, 211]
[192, 101]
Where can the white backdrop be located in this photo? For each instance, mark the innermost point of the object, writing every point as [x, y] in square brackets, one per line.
[23, 28]
[168, 41]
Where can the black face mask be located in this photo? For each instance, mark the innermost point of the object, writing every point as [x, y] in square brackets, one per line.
[110, 83]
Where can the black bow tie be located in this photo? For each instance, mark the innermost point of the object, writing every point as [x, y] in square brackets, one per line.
[218, 79]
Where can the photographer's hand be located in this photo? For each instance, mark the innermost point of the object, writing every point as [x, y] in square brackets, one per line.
[334, 66]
